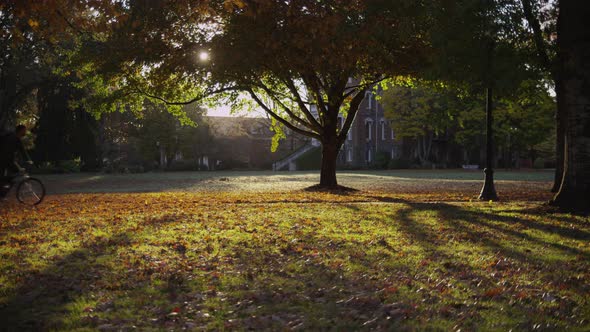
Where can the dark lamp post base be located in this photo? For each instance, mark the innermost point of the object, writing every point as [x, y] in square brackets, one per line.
[488, 192]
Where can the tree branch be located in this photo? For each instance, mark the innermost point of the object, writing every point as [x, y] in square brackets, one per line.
[312, 120]
[352, 87]
[315, 88]
[537, 35]
[353, 109]
[287, 109]
[188, 102]
[280, 119]
[72, 26]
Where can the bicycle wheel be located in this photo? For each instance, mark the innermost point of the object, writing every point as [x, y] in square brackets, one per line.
[30, 191]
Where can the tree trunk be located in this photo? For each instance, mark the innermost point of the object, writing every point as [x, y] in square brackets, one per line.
[573, 51]
[560, 131]
[549, 64]
[328, 171]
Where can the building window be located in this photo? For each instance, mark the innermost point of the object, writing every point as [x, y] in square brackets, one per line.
[391, 126]
[369, 129]
[368, 155]
[349, 134]
[392, 153]
[382, 130]
[349, 155]
[369, 97]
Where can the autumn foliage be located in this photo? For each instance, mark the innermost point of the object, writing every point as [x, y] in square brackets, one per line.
[370, 259]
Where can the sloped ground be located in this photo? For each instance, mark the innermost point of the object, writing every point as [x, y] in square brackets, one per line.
[373, 259]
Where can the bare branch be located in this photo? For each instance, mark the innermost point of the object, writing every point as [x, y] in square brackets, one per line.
[188, 102]
[352, 87]
[72, 26]
[315, 88]
[353, 109]
[291, 86]
[280, 119]
[537, 35]
[287, 109]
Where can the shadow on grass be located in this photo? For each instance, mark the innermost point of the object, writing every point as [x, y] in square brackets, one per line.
[277, 290]
[338, 190]
[313, 282]
[43, 295]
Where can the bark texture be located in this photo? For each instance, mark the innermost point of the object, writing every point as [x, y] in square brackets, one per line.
[573, 56]
[328, 170]
[553, 68]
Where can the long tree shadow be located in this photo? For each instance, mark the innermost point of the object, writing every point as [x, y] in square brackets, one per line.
[276, 283]
[44, 298]
[488, 228]
[44, 293]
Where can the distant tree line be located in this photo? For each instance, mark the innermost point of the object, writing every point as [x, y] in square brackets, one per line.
[438, 123]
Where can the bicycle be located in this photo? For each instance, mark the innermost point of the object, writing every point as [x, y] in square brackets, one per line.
[29, 190]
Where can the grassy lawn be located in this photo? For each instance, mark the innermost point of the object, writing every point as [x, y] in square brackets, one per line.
[273, 260]
[265, 181]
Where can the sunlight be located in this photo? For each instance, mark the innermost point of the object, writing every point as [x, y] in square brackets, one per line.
[203, 56]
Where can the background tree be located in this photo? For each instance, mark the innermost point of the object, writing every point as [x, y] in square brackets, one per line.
[525, 118]
[20, 67]
[64, 131]
[541, 16]
[161, 136]
[481, 46]
[419, 112]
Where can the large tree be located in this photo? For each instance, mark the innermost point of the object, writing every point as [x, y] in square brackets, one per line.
[541, 17]
[573, 52]
[289, 57]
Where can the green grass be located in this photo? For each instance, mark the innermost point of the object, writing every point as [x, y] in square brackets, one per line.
[172, 261]
[264, 181]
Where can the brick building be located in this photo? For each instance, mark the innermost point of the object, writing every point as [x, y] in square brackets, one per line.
[369, 137]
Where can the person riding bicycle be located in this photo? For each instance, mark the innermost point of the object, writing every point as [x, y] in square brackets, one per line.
[10, 146]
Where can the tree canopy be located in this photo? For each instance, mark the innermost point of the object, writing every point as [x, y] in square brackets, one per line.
[285, 55]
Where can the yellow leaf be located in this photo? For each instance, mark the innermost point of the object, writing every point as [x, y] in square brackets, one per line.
[33, 24]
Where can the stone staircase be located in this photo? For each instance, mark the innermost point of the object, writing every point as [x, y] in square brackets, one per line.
[288, 163]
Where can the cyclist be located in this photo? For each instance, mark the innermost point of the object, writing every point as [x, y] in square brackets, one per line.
[10, 146]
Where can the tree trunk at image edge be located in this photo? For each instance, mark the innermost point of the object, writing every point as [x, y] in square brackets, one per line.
[328, 170]
[573, 52]
[549, 65]
[560, 124]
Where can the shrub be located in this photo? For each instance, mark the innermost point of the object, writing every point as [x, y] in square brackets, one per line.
[183, 165]
[382, 160]
[311, 160]
[539, 163]
[60, 167]
[399, 164]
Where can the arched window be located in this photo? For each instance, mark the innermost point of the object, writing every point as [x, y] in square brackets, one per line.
[382, 123]
[391, 126]
[369, 97]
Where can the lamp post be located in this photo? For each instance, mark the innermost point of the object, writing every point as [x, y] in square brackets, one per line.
[488, 192]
